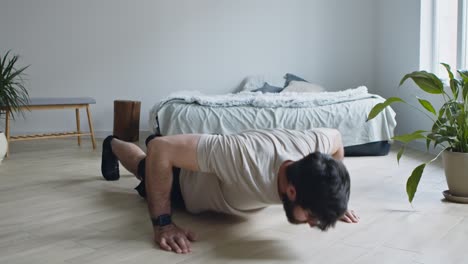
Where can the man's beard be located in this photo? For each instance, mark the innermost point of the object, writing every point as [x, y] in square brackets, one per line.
[289, 206]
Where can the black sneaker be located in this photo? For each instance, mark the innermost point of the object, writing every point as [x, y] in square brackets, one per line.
[109, 162]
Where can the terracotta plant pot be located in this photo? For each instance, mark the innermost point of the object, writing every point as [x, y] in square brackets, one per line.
[456, 172]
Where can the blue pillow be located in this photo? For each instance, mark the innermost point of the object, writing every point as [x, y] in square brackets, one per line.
[266, 88]
[291, 77]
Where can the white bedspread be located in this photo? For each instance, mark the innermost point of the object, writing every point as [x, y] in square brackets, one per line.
[257, 99]
[193, 112]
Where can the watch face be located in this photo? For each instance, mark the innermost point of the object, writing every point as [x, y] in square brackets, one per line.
[163, 220]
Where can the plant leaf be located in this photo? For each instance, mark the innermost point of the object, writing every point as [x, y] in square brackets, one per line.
[448, 114]
[442, 111]
[454, 87]
[413, 181]
[465, 91]
[429, 138]
[464, 74]
[440, 139]
[449, 71]
[381, 106]
[13, 94]
[3, 61]
[452, 131]
[410, 137]
[464, 84]
[427, 105]
[428, 82]
[400, 153]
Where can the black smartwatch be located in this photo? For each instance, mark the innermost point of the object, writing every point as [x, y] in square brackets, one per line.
[162, 220]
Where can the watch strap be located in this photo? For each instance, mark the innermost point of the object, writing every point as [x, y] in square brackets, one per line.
[162, 220]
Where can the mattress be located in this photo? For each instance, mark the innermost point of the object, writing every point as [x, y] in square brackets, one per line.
[178, 115]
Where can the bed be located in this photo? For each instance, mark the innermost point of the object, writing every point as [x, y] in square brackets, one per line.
[194, 112]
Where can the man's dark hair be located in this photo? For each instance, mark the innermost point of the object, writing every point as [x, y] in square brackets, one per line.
[322, 187]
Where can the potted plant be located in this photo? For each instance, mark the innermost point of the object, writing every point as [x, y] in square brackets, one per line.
[449, 132]
[12, 92]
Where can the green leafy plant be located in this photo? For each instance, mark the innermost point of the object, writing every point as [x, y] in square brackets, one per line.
[13, 94]
[450, 122]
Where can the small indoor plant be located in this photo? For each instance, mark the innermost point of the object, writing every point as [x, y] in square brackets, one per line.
[449, 132]
[12, 91]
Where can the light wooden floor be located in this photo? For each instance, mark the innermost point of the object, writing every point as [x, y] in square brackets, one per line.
[56, 208]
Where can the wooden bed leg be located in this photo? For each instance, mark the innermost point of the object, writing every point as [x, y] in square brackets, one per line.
[77, 114]
[91, 129]
[7, 131]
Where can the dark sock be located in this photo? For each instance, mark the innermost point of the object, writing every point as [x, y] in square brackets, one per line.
[109, 162]
[141, 189]
[141, 173]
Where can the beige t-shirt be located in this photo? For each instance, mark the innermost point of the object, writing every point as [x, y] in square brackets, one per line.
[239, 173]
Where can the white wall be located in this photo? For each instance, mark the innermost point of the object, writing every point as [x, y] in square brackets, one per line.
[398, 53]
[145, 49]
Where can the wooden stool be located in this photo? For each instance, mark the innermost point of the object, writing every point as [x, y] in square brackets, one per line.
[127, 120]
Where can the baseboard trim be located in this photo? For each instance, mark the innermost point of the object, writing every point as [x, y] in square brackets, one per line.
[103, 134]
[421, 146]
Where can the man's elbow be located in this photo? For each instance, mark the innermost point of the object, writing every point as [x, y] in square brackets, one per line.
[339, 154]
[338, 147]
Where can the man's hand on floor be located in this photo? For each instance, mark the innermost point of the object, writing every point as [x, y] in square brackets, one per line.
[350, 217]
[174, 238]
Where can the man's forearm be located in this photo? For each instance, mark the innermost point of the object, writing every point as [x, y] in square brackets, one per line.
[163, 154]
[158, 186]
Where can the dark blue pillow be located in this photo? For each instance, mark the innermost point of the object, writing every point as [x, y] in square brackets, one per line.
[268, 89]
[291, 77]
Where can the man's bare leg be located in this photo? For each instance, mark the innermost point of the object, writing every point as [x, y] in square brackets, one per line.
[128, 154]
[178, 151]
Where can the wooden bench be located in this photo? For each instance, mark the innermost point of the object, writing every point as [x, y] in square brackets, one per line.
[55, 104]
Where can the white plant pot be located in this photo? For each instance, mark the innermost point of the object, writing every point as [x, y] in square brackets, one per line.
[456, 172]
[3, 146]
